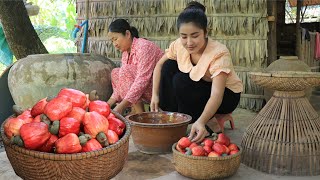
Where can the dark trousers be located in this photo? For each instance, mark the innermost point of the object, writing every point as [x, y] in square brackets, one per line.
[179, 93]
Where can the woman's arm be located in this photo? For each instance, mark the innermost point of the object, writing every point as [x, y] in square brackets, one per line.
[198, 130]
[111, 101]
[154, 105]
[122, 106]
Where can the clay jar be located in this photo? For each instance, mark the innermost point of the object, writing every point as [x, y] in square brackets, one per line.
[37, 76]
[287, 63]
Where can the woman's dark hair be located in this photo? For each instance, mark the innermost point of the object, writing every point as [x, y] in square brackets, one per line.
[195, 13]
[195, 4]
[121, 26]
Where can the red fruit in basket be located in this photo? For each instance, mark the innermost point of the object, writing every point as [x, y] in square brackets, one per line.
[208, 149]
[58, 108]
[227, 150]
[233, 147]
[91, 145]
[233, 152]
[198, 151]
[116, 125]
[94, 123]
[38, 108]
[192, 145]
[37, 119]
[207, 142]
[101, 107]
[68, 125]
[184, 142]
[34, 135]
[219, 148]
[86, 104]
[112, 137]
[76, 97]
[180, 149]
[111, 115]
[68, 144]
[77, 113]
[26, 116]
[213, 154]
[12, 127]
[48, 146]
[223, 139]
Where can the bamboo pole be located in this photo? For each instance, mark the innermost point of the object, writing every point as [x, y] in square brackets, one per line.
[272, 35]
[298, 31]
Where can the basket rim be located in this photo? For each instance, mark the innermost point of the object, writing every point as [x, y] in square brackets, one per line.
[134, 123]
[287, 74]
[176, 152]
[75, 156]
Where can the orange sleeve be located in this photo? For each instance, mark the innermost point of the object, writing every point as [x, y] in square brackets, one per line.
[221, 63]
[171, 52]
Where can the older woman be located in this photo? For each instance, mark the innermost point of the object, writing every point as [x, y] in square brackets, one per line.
[132, 82]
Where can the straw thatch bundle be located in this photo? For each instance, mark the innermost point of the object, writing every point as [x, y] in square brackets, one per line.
[240, 24]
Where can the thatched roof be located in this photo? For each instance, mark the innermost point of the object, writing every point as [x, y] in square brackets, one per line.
[293, 3]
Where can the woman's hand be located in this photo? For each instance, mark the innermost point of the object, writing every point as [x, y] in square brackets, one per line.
[198, 132]
[122, 106]
[154, 105]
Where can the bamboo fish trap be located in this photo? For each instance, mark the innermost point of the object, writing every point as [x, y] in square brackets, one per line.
[284, 138]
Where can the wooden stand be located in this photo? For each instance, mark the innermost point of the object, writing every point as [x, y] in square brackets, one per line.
[284, 138]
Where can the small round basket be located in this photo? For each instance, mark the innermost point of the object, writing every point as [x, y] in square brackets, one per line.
[100, 164]
[197, 167]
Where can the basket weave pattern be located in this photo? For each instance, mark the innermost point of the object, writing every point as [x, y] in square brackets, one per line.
[284, 138]
[285, 83]
[101, 164]
[205, 167]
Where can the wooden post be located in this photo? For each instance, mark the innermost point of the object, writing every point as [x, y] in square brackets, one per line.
[298, 31]
[272, 35]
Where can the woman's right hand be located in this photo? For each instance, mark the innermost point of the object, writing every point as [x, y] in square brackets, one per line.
[154, 105]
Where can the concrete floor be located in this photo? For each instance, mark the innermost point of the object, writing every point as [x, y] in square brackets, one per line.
[159, 167]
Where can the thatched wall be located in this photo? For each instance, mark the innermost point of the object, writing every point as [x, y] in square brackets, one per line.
[240, 24]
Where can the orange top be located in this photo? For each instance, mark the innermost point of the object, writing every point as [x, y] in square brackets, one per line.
[215, 59]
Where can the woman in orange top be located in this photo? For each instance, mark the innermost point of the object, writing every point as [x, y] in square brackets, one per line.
[195, 76]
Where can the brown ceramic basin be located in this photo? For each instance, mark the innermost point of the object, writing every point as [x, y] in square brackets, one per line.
[156, 132]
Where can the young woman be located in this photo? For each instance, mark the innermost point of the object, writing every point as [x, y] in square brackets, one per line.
[132, 82]
[196, 76]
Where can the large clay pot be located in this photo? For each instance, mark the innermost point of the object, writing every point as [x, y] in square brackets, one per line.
[37, 76]
[286, 63]
[156, 132]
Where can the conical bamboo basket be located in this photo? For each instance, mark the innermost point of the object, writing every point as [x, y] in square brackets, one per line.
[284, 138]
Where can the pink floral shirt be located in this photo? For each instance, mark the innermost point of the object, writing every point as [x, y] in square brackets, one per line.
[133, 80]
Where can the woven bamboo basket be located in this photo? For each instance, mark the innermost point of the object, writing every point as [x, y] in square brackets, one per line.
[101, 164]
[286, 80]
[206, 167]
[284, 138]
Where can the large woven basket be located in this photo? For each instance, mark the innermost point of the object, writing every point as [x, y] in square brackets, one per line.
[101, 164]
[286, 80]
[197, 167]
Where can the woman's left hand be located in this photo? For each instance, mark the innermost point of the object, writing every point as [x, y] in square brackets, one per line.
[198, 132]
